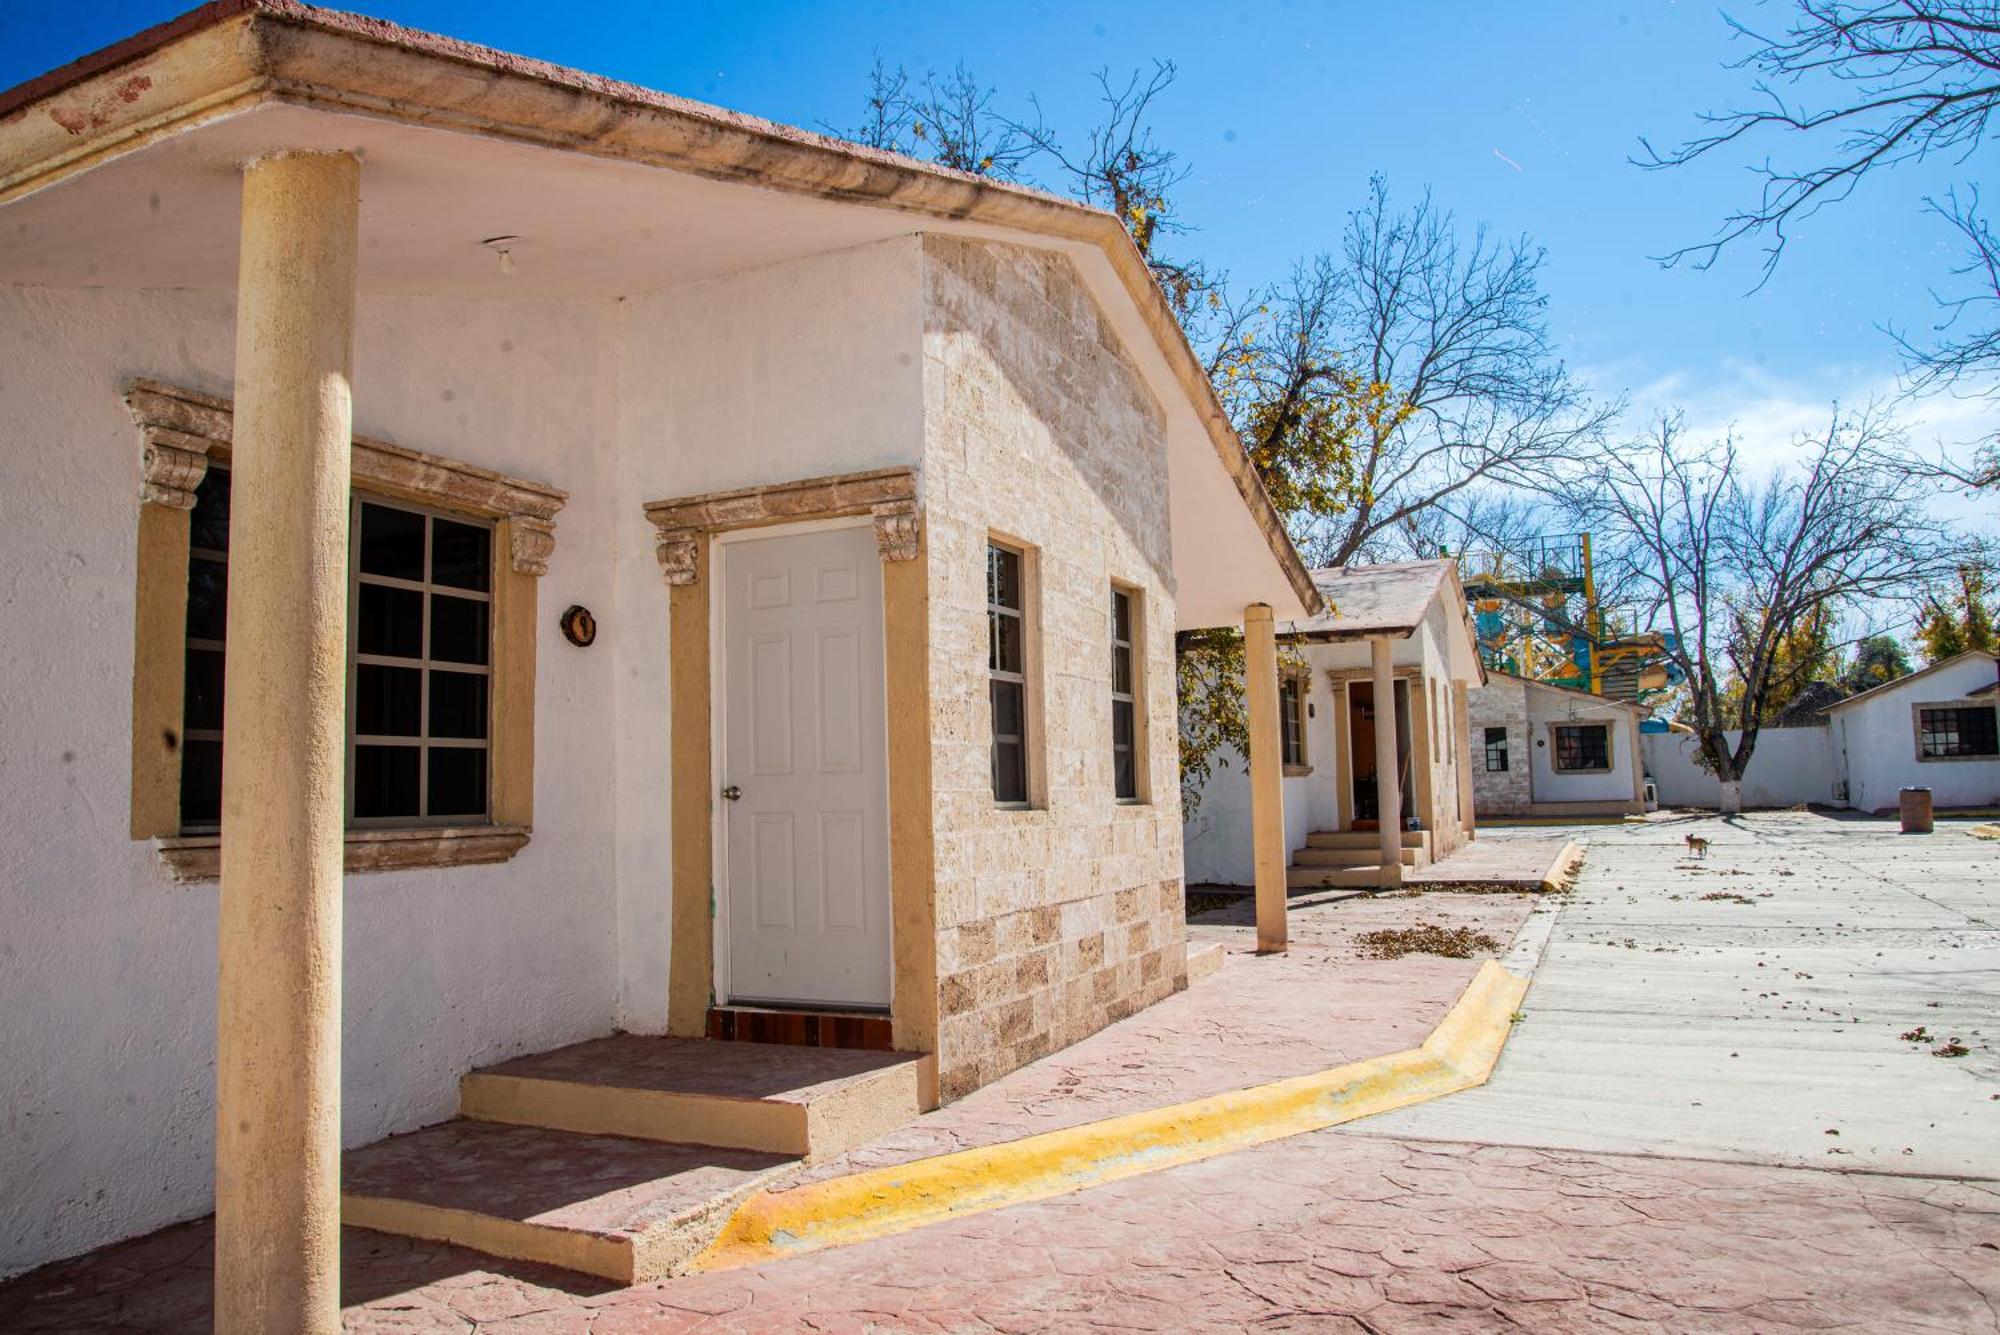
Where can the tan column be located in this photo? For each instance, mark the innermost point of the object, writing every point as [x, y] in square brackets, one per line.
[1388, 783]
[1267, 792]
[1461, 709]
[277, 1070]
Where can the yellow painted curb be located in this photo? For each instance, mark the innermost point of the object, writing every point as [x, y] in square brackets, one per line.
[1564, 868]
[1459, 1054]
[1985, 832]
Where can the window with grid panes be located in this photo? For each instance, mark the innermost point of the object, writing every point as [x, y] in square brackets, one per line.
[1007, 679]
[1583, 746]
[1957, 730]
[419, 663]
[1124, 702]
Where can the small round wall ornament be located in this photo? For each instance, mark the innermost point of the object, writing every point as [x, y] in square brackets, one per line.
[579, 627]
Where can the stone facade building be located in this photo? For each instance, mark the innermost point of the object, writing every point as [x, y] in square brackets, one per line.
[1542, 750]
[671, 574]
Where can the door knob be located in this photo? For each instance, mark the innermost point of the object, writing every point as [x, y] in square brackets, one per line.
[732, 792]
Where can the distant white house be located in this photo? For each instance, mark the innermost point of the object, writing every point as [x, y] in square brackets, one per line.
[1543, 750]
[1934, 729]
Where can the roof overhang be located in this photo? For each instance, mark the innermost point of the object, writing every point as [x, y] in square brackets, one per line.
[456, 138]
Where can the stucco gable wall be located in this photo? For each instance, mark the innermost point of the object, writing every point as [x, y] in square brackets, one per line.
[1054, 922]
[1877, 740]
[107, 972]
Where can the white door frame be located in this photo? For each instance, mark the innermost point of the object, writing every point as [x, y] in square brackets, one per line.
[718, 731]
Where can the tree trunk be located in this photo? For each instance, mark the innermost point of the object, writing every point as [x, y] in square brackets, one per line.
[1732, 797]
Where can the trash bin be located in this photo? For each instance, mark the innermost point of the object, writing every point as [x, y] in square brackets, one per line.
[1915, 807]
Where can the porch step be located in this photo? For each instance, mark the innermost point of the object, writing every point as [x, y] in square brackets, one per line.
[1354, 857]
[1368, 839]
[1365, 877]
[629, 1210]
[1203, 959]
[807, 1102]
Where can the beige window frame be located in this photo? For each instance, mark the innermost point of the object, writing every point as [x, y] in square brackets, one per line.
[1964, 705]
[1294, 686]
[1133, 698]
[1555, 749]
[1026, 677]
[183, 431]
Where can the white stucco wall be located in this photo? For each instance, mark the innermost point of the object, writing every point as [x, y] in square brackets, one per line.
[107, 968]
[794, 370]
[1216, 838]
[1788, 767]
[1876, 742]
[1547, 708]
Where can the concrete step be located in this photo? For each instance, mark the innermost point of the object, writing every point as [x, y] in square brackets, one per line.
[1203, 959]
[1369, 839]
[1368, 877]
[1354, 857]
[806, 1102]
[629, 1210]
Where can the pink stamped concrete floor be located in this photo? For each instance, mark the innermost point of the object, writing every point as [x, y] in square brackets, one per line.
[1333, 1231]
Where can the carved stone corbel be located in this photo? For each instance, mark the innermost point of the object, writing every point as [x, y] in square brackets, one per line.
[896, 529]
[171, 467]
[679, 553]
[532, 541]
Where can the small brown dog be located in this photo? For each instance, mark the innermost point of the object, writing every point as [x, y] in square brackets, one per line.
[1697, 846]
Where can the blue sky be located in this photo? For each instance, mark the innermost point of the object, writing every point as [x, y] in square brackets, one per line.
[1519, 115]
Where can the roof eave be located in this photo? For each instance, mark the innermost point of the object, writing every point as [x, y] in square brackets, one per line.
[231, 55]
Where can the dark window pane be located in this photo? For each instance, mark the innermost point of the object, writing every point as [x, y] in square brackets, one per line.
[1121, 670]
[1007, 709]
[201, 700]
[1121, 616]
[458, 629]
[385, 781]
[458, 781]
[1006, 647]
[1958, 732]
[389, 621]
[459, 554]
[458, 704]
[1125, 776]
[1121, 723]
[208, 599]
[388, 701]
[392, 542]
[208, 524]
[1010, 782]
[1003, 577]
[201, 782]
[1579, 748]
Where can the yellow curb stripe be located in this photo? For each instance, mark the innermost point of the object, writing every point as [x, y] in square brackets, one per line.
[1985, 832]
[1459, 1054]
[1564, 868]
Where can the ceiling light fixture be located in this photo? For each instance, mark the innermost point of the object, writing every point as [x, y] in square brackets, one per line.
[503, 246]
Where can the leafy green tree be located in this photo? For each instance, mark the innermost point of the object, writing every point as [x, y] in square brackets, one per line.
[1961, 620]
[1877, 659]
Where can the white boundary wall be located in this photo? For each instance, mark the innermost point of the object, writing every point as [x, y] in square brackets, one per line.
[1789, 766]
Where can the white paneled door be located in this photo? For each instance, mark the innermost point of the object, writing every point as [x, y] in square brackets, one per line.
[804, 770]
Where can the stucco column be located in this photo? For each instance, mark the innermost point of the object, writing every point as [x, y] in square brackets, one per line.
[277, 1070]
[1267, 792]
[1388, 783]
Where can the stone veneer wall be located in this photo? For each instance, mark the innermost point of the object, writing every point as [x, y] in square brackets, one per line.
[1053, 922]
[1501, 704]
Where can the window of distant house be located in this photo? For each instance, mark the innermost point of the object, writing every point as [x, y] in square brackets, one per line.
[419, 663]
[1582, 747]
[1007, 673]
[1292, 690]
[1124, 697]
[1957, 731]
[1496, 750]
